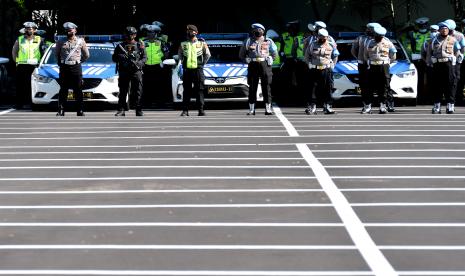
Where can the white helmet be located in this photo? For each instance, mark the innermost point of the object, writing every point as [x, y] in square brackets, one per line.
[272, 34]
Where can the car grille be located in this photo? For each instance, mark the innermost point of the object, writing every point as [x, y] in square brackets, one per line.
[355, 78]
[90, 83]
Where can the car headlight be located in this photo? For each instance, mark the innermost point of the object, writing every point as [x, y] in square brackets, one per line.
[406, 74]
[112, 79]
[338, 75]
[40, 78]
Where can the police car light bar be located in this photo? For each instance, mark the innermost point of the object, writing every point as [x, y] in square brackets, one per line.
[356, 34]
[95, 38]
[224, 36]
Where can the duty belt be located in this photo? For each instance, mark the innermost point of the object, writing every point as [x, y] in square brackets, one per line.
[319, 67]
[258, 59]
[361, 61]
[441, 60]
[70, 62]
[379, 62]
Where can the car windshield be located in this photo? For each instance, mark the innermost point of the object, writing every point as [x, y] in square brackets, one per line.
[98, 54]
[224, 53]
[345, 46]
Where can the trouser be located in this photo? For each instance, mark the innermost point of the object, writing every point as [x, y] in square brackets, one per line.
[379, 82]
[457, 74]
[193, 84]
[363, 82]
[444, 82]
[460, 95]
[153, 83]
[421, 87]
[23, 84]
[259, 71]
[130, 83]
[320, 86]
[70, 77]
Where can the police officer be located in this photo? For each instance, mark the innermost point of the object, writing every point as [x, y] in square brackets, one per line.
[321, 56]
[420, 35]
[130, 57]
[163, 36]
[27, 51]
[358, 51]
[157, 51]
[258, 52]
[433, 31]
[292, 55]
[194, 54]
[70, 54]
[442, 55]
[406, 38]
[379, 53]
[457, 68]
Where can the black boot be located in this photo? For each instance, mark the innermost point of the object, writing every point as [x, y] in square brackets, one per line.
[80, 113]
[184, 113]
[61, 111]
[120, 113]
[139, 113]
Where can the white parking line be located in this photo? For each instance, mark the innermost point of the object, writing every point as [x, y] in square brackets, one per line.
[289, 127]
[144, 131]
[146, 159]
[157, 178]
[186, 272]
[408, 204]
[160, 191]
[166, 224]
[164, 206]
[6, 111]
[397, 167]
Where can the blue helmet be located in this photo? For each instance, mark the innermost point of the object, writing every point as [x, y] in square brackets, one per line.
[451, 23]
[443, 25]
[373, 25]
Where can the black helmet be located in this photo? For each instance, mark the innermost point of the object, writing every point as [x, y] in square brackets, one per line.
[131, 31]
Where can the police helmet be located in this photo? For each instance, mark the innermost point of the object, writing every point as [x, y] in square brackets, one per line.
[153, 28]
[442, 25]
[272, 34]
[380, 31]
[30, 25]
[143, 27]
[451, 23]
[131, 30]
[323, 32]
[320, 24]
[373, 25]
[311, 27]
[41, 32]
[158, 23]
[258, 26]
[434, 28]
[422, 20]
[22, 30]
[69, 25]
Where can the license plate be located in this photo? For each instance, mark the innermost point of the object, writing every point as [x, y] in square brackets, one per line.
[85, 95]
[358, 90]
[219, 89]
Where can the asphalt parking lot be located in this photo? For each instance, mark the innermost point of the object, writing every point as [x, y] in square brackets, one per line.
[228, 194]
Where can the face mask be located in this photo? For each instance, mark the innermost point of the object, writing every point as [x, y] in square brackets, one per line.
[190, 35]
[257, 34]
[70, 34]
[29, 33]
[378, 38]
[321, 40]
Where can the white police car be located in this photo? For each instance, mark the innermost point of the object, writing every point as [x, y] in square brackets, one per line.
[100, 80]
[225, 74]
[404, 75]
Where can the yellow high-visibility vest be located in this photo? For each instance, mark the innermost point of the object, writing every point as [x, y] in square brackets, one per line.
[289, 42]
[191, 52]
[154, 52]
[29, 50]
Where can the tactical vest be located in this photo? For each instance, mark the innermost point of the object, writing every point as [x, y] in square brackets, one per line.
[443, 48]
[289, 43]
[154, 52]
[29, 50]
[320, 54]
[193, 54]
[379, 51]
[277, 60]
[258, 48]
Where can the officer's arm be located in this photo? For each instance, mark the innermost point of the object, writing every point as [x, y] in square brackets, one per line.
[242, 53]
[273, 49]
[335, 56]
[15, 50]
[143, 56]
[58, 47]
[392, 52]
[180, 53]
[84, 51]
[355, 48]
[206, 53]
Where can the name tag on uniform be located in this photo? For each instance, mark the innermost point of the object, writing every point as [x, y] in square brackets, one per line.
[32, 61]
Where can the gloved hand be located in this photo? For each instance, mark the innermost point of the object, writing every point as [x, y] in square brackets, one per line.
[269, 60]
[460, 58]
[248, 60]
[161, 64]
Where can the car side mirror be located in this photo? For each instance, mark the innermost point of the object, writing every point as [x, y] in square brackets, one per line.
[169, 62]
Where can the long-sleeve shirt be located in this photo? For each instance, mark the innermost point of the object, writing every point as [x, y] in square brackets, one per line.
[66, 48]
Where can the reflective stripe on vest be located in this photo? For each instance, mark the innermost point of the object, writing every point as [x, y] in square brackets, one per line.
[192, 51]
[277, 59]
[29, 50]
[289, 42]
[154, 52]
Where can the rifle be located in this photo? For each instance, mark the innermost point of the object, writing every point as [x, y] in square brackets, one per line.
[126, 55]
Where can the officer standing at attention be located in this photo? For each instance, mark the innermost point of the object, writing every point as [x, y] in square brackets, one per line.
[130, 57]
[433, 31]
[321, 56]
[457, 68]
[379, 53]
[258, 52]
[358, 51]
[157, 51]
[70, 54]
[194, 54]
[442, 55]
[27, 51]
